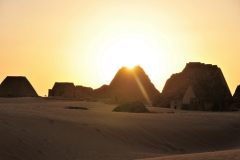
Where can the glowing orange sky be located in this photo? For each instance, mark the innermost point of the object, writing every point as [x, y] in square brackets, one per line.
[86, 42]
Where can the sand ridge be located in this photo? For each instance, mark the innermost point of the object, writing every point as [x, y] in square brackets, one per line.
[217, 155]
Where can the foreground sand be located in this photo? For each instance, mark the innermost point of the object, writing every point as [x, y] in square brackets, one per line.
[37, 128]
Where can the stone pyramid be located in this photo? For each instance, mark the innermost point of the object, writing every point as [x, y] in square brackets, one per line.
[129, 85]
[207, 82]
[17, 86]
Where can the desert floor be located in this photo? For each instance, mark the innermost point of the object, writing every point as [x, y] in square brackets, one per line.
[39, 128]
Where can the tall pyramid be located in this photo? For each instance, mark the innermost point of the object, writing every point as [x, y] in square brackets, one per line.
[129, 85]
[17, 86]
[207, 83]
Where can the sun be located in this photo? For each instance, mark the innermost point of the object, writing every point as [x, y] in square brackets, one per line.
[130, 67]
[127, 51]
[130, 51]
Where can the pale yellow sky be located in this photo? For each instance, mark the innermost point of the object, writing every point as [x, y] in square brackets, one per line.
[86, 42]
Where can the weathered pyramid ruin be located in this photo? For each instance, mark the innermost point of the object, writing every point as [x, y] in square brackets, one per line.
[69, 90]
[198, 87]
[236, 96]
[17, 86]
[65, 90]
[128, 85]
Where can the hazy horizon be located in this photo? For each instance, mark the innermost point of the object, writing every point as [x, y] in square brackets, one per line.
[87, 42]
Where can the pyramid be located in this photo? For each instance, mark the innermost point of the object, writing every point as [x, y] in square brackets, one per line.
[129, 85]
[62, 89]
[16, 86]
[207, 83]
[236, 96]
[69, 90]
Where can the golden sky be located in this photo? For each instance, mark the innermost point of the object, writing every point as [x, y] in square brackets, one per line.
[87, 41]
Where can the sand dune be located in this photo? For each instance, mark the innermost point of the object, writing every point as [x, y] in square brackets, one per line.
[218, 155]
[38, 128]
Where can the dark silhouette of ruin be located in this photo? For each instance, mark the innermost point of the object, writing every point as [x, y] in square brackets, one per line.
[128, 85]
[17, 86]
[198, 87]
[70, 91]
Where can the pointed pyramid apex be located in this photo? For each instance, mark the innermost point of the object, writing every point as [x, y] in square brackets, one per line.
[131, 85]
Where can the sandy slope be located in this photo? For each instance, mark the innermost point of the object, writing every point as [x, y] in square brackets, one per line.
[218, 155]
[37, 128]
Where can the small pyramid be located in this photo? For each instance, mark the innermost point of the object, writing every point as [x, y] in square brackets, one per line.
[129, 85]
[62, 89]
[69, 90]
[17, 86]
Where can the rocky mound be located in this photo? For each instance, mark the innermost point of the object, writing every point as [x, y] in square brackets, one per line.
[133, 107]
[128, 85]
[208, 87]
[13, 86]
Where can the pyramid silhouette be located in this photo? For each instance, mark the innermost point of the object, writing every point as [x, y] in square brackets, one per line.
[17, 86]
[129, 85]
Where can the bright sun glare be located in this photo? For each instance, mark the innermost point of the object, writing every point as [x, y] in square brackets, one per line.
[130, 67]
[130, 51]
